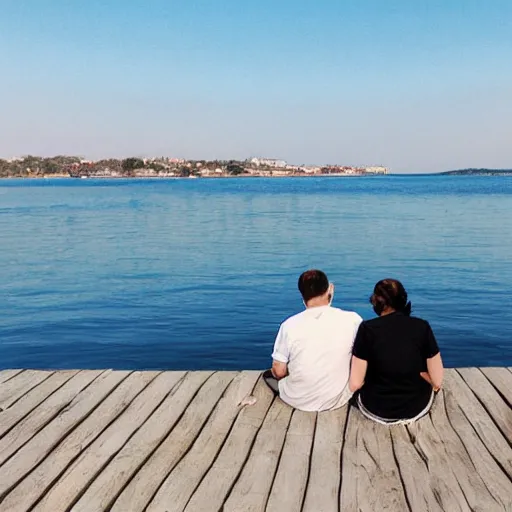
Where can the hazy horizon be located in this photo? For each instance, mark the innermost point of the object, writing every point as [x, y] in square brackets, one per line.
[417, 87]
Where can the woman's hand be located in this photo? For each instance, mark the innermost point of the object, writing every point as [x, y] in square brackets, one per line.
[426, 376]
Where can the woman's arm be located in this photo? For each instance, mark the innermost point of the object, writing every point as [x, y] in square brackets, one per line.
[426, 376]
[357, 374]
[435, 371]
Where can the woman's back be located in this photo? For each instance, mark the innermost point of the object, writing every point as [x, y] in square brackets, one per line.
[396, 348]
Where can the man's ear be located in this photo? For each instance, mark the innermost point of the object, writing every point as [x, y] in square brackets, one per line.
[330, 292]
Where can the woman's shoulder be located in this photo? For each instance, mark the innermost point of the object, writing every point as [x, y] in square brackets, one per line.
[412, 321]
[421, 322]
[418, 326]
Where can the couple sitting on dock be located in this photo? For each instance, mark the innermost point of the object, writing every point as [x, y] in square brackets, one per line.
[324, 356]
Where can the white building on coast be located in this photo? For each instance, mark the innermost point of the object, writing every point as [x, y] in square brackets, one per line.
[376, 169]
[268, 162]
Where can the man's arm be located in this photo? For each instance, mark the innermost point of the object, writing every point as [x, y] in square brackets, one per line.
[280, 355]
[279, 369]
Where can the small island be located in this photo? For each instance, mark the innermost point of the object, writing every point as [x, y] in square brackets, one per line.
[164, 167]
[479, 172]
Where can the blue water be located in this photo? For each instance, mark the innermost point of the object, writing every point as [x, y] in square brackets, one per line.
[199, 273]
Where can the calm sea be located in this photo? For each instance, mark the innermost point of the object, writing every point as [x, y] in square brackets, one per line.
[199, 273]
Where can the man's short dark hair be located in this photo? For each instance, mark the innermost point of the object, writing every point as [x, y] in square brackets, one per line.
[313, 283]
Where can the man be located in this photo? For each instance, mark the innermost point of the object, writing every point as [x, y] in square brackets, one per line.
[313, 349]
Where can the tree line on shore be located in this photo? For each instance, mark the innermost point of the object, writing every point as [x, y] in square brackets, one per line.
[33, 166]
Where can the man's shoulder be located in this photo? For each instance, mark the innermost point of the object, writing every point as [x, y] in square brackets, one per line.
[345, 315]
[294, 319]
[331, 313]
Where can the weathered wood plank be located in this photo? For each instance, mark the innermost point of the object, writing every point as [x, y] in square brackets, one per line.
[481, 421]
[5, 375]
[224, 471]
[141, 489]
[253, 486]
[370, 477]
[475, 491]
[179, 486]
[350, 464]
[442, 480]
[192, 446]
[288, 489]
[19, 385]
[32, 399]
[501, 379]
[43, 442]
[498, 484]
[44, 413]
[414, 472]
[91, 461]
[322, 493]
[33, 486]
[111, 481]
[496, 407]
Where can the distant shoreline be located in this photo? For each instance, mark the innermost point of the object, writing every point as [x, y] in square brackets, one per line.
[241, 176]
[458, 173]
[478, 172]
[62, 166]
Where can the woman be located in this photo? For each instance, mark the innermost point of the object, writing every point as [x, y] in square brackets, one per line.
[395, 360]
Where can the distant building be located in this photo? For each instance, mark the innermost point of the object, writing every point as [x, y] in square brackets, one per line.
[376, 170]
[268, 162]
[311, 170]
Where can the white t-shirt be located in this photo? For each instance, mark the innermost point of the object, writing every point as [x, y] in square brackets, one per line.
[317, 346]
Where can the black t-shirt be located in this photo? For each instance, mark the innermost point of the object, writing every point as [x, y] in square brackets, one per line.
[396, 348]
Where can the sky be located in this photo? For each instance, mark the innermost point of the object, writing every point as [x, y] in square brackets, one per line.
[418, 86]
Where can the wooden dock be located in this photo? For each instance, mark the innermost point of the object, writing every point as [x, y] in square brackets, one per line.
[176, 441]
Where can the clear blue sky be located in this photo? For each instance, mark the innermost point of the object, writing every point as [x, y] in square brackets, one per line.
[415, 85]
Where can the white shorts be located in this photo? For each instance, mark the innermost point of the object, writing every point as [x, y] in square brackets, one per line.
[341, 400]
[383, 421]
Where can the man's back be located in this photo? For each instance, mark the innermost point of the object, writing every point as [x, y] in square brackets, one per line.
[316, 344]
